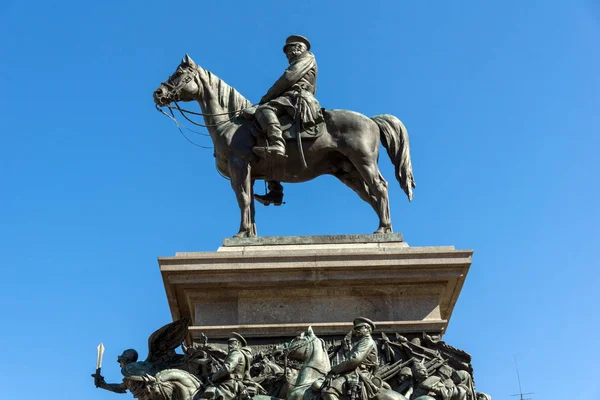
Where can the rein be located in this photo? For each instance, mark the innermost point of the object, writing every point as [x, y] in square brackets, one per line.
[207, 114]
[172, 118]
[176, 91]
[183, 111]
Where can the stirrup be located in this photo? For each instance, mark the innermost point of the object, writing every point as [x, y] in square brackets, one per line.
[267, 200]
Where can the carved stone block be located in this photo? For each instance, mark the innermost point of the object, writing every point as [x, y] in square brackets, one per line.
[277, 286]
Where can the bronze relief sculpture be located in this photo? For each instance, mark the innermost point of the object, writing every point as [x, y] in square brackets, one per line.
[363, 365]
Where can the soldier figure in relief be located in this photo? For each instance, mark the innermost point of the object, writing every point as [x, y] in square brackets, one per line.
[432, 387]
[128, 357]
[161, 368]
[359, 366]
[293, 95]
[405, 384]
[230, 382]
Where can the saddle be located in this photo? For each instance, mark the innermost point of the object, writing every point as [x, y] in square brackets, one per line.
[289, 127]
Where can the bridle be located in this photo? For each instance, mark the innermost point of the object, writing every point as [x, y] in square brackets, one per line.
[176, 89]
[176, 93]
[299, 346]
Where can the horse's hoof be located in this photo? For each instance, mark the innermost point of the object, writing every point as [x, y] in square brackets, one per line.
[244, 234]
[383, 230]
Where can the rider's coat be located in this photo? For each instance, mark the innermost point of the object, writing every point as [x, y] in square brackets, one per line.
[295, 89]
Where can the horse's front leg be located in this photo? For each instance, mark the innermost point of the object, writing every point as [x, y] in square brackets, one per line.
[239, 170]
[252, 209]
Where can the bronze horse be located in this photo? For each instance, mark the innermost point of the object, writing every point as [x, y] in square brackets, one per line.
[348, 149]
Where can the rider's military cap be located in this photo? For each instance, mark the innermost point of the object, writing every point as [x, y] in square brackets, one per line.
[364, 321]
[296, 39]
[238, 337]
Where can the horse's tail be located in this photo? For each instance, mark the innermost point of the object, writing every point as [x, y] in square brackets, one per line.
[394, 137]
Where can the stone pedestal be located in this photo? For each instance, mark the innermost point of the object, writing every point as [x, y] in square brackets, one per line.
[277, 286]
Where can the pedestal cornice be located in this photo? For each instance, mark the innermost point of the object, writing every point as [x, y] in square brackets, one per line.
[275, 289]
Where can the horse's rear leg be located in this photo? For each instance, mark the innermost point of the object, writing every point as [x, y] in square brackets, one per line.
[241, 183]
[378, 188]
[355, 181]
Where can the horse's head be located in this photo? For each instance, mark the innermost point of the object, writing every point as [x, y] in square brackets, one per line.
[300, 348]
[311, 352]
[183, 85]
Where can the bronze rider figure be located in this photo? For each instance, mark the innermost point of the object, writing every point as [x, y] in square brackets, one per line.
[293, 95]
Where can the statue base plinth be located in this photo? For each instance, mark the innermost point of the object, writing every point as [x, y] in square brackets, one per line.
[277, 286]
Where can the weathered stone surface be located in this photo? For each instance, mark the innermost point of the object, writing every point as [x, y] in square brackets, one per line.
[324, 239]
[274, 290]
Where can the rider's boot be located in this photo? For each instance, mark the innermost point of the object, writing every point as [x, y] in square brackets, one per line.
[270, 198]
[270, 124]
[274, 196]
[276, 144]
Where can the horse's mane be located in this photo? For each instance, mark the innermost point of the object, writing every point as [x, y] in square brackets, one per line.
[226, 96]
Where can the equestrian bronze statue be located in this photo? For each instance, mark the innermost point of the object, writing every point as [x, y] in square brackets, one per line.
[287, 137]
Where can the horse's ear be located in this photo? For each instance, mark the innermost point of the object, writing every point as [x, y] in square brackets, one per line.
[189, 61]
[310, 331]
[302, 335]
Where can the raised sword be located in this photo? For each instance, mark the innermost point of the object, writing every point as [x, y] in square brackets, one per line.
[99, 362]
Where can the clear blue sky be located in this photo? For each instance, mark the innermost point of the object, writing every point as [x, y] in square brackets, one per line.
[501, 101]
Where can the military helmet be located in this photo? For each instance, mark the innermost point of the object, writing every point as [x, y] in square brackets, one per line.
[238, 337]
[129, 356]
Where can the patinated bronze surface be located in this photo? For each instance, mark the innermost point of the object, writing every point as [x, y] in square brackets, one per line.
[341, 143]
[363, 365]
[160, 374]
